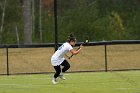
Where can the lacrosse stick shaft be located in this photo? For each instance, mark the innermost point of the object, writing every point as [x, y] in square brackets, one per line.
[73, 54]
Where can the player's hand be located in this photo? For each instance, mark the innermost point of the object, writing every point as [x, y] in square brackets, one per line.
[81, 46]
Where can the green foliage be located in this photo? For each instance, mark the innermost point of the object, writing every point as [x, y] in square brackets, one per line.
[117, 25]
[96, 20]
[116, 22]
[12, 19]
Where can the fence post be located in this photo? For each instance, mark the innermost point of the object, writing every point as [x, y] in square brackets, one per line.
[55, 25]
[7, 61]
[105, 59]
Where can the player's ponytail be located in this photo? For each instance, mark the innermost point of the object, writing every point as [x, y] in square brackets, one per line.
[71, 37]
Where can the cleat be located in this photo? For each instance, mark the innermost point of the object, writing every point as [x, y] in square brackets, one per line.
[62, 77]
[54, 81]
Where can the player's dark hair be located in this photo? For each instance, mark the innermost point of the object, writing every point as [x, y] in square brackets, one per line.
[71, 37]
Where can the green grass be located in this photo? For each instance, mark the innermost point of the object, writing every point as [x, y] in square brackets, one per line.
[91, 82]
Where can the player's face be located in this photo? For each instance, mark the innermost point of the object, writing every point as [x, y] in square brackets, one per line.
[73, 43]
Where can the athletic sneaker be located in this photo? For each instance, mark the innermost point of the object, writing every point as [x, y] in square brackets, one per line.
[62, 77]
[54, 81]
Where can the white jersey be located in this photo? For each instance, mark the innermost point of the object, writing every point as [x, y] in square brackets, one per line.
[58, 56]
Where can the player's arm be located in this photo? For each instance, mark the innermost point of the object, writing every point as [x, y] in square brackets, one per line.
[75, 52]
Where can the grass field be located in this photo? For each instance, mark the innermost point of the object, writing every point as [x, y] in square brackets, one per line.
[32, 60]
[91, 82]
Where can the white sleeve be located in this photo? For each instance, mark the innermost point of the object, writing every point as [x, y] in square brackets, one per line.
[70, 47]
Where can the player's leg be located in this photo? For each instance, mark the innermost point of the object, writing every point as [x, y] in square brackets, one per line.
[57, 73]
[64, 69]
[66, 65]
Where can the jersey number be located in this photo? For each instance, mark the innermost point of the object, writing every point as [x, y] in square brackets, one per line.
[60, 47]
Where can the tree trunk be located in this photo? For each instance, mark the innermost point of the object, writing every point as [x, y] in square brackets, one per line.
[40, 21]
[33, 18]
[2, 19]
[27, 21]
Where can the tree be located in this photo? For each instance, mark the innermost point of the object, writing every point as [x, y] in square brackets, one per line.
[117, 24]
[27, 21]
[2, 19]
